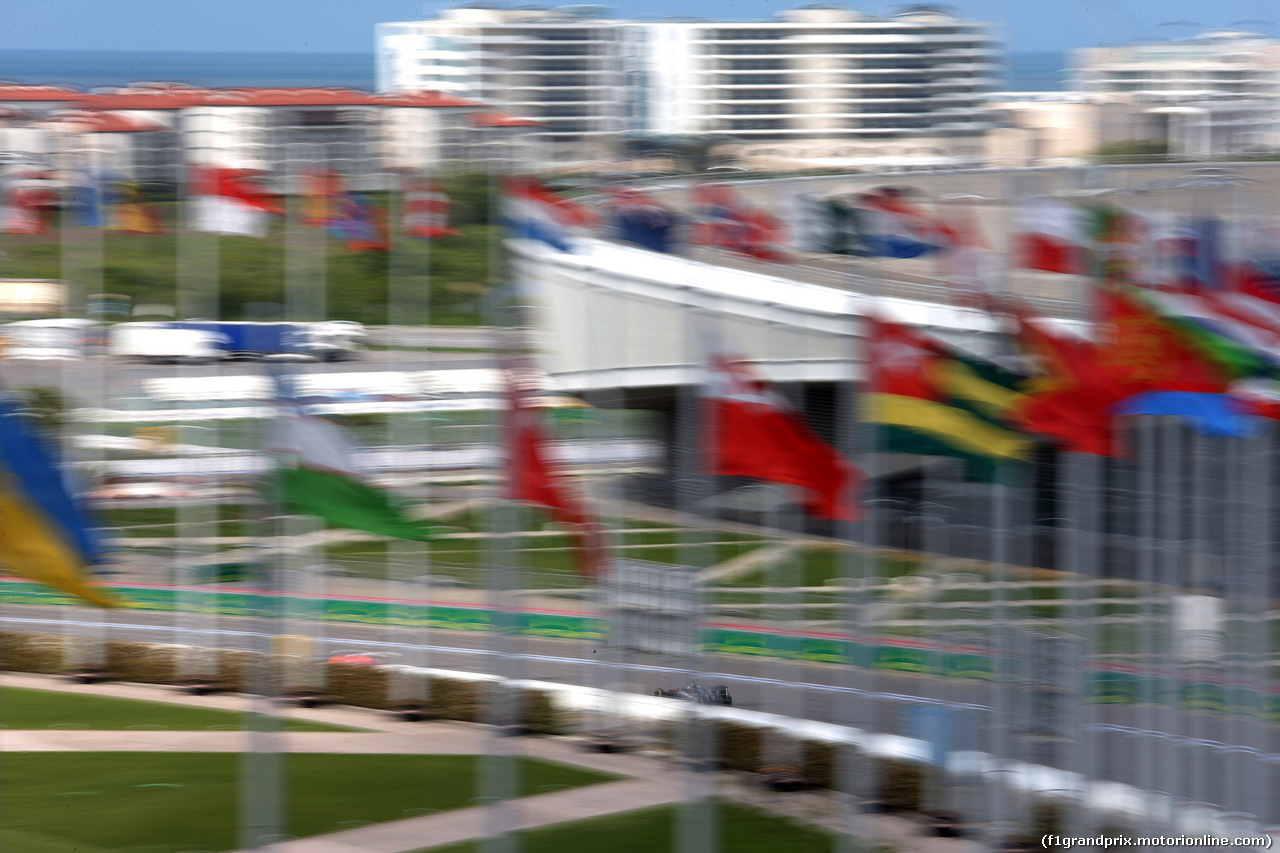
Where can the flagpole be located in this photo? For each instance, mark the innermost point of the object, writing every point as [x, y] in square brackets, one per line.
[497, 771]
[1144, 430]
[411, 565]
[302, 582]
[854, 766]
[1174, 554]
[1258, 463]
[82, 253]
[696, 830]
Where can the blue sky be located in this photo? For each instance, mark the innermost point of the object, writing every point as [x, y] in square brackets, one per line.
[347, 25]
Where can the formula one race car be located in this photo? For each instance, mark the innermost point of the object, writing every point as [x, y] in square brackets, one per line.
[694, 692]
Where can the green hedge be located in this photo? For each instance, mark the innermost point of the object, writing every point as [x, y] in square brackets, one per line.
[32, 652]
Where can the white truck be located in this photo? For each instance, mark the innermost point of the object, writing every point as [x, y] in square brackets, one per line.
[160, 343]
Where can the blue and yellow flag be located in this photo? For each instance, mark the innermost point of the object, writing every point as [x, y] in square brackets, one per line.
[44, 534]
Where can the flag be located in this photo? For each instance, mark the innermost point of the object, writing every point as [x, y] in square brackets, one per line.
[639, 219]
[1218, 415]
[718, 216]
[896, 228]
[530, 478]
[1159, 347]
[47, 537]
[756, 433]
[762, 236]
[1144, 351]
[426, 210]
[27, 203]
[1050, 235]
[321, 191]
[1119, 240]
[925, 398]
[87, 199]
[1070, 398]
[826, 225]
[317, 475]
[967, 261]
[363, 223]
[1243, 346]
[226, 201]
[1171, 244]
[532, 212]
[131, 213]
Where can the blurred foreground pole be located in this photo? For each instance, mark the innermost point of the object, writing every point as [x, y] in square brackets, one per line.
[82, 253]
[409, 563]
[854, 767]
[1002, 816]
[1144, 437]
[696, 819]
[262, 797]
[499, 781]
[195, 296]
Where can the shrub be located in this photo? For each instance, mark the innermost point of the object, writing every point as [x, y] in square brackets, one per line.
[741, 747]
[358, 684]
[32, 652]
[456, 699]
[1047, 818]
[541, 717]
[820, 762]
[234, 668]
[900, 784]
[146, 663]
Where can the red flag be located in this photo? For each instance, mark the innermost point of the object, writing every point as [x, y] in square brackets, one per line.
[1072, 397]
[1145, 353]
[755, 433]
[27, 206]
[1051, 235]
[320, 200]
[530, 478]
[227, 201]
[426, 210]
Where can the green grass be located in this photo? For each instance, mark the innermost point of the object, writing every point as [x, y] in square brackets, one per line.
[153, 802]
[22, 708]
[741, 830]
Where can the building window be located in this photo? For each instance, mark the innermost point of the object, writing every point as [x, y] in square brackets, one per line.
[756, 124]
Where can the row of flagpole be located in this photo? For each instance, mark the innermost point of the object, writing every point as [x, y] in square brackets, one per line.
[1085, 554]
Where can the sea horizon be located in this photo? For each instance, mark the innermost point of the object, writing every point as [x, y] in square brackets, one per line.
[1032, 71]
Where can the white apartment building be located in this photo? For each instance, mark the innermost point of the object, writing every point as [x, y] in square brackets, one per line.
[1215, 94]
[151, 132]
[817, 85]
[559, 67]
[1213, 65]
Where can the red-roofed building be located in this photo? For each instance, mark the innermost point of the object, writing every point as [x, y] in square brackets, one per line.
[148, 131]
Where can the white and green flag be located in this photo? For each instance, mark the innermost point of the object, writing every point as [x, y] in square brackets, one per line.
[317, 475]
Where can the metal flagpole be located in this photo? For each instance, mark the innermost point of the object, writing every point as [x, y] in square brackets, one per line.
[1145, 435]
[82, 255]
[409, 563]
[1173, 518]
[498, 777]
[696, 827]
[1002, 816]
[1258, 465]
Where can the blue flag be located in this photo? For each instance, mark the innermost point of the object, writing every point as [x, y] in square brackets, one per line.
[47, 537]
[1210, 414]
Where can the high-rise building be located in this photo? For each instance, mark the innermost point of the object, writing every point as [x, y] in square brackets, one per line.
[817, 84]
